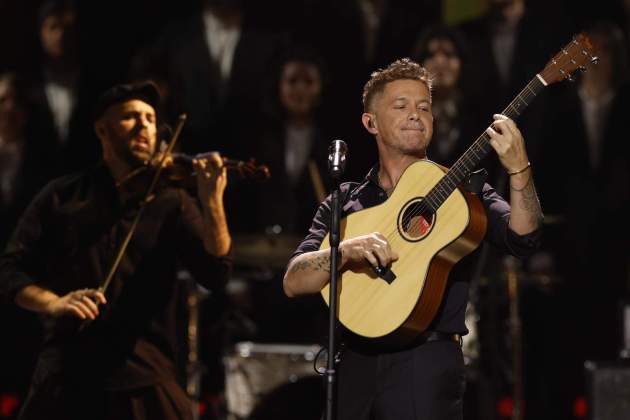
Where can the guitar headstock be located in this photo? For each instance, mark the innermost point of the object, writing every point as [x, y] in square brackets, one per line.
[575, 55]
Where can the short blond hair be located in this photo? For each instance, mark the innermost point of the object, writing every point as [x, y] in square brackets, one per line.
[403, 69]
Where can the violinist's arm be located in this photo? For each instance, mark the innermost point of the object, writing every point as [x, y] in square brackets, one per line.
[80, 303]
[211, 183]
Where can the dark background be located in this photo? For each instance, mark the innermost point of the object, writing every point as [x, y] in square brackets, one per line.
[565, 321]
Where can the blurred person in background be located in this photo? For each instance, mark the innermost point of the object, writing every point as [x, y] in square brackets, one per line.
[441, 50]
[293, 139]
[12, 145]
[57, 92]
[294, 142]
[212, 63]
[19, 179]
[585, 163]
[591, 116]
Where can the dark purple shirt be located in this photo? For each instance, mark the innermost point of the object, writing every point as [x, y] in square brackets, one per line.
[450, 317]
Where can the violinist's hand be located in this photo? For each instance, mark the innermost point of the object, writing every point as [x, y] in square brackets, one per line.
[211, 183]
[211, 179]
[79, 303]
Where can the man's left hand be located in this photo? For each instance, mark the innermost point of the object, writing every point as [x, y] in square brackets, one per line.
[507, 140]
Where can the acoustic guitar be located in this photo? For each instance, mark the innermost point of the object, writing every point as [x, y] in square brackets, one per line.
[432, 223]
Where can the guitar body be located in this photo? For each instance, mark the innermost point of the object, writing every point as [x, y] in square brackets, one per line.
[395, 312]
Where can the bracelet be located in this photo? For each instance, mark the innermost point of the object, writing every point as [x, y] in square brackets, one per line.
[521, 170]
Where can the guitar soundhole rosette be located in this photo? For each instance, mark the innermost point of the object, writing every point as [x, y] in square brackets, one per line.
[415, 220]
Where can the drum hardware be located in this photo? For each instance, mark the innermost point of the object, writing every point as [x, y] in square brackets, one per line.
[255, 370]
[195, 295]
[268, 250]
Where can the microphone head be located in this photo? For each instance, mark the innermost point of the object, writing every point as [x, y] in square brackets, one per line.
[339, 145]
[337, 157]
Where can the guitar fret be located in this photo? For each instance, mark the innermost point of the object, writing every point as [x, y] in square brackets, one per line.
[449, 181]
[432, 205]
[441, 193]
[530, 89]
[458, 171]
[466, 158]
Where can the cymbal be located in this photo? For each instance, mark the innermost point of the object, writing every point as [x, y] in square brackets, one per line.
[267, 250]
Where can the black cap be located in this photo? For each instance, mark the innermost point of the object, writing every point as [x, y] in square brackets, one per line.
[146, 91]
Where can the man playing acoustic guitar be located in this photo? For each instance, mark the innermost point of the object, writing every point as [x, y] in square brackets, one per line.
[422, 378]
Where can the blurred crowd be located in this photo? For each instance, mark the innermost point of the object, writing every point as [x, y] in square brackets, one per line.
[279, 80]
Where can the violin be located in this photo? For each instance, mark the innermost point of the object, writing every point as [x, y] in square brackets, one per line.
[182, 166]
[178, 172]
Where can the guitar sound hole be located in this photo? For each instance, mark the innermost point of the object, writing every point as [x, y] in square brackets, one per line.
[416, 221]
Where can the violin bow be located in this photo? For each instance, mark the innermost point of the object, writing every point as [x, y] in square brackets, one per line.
[147, 199]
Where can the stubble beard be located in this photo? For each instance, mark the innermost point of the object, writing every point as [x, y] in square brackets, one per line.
[131, 157]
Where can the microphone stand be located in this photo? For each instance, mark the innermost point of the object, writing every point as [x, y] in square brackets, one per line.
[336, 170]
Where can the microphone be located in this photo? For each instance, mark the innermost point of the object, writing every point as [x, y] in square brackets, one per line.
[337, 158]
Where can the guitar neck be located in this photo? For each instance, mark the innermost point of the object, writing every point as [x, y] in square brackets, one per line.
[480, 148]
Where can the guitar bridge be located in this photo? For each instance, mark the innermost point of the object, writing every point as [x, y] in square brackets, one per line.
[385, 273]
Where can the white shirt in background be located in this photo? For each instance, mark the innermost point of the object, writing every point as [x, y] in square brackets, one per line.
[61, 100]
[297, 150]
[595, 111]
[221, 41]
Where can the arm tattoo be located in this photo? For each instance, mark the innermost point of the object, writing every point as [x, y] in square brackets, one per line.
[529, 201]
[318, 263]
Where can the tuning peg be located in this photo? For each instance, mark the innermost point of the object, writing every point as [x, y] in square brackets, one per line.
[594, 60]
[570, 78]
[582, 68]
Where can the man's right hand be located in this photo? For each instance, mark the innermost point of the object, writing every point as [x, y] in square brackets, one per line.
[80, 303]
[373, 247]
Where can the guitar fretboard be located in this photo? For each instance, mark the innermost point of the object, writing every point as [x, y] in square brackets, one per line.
[479, 149]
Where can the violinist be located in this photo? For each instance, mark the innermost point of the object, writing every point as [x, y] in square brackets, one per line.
[110, 354]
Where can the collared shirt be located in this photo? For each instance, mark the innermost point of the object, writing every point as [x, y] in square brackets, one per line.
[451, 315]
[297, 149]
[596, 112]
[222, 41]
[61, 99]
[67, 239]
